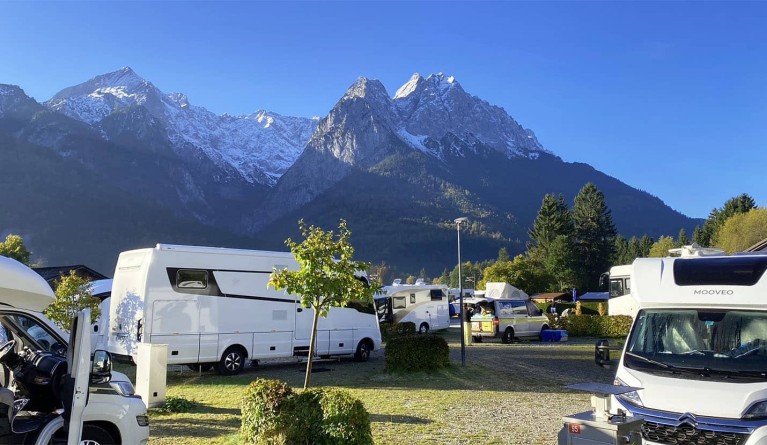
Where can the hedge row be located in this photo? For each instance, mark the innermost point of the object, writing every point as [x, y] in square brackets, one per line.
[595, 325]
[389, 331]
[272, 413]
[416, 353]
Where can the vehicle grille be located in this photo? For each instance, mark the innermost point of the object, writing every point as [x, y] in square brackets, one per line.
[689, 435]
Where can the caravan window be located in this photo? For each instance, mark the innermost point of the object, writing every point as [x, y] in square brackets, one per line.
[191, 279]
[437, 295]
[398, 303]
[412, 298]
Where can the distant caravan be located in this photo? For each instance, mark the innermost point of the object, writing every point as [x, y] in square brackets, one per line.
[425, 305]
[212, 307]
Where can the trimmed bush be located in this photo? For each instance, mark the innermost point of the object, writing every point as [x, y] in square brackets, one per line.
[595, 326]
[389, 331]
[262, 409]
[416, 353]
[274, 414]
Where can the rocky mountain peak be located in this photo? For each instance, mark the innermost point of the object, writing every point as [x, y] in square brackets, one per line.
[370, 90]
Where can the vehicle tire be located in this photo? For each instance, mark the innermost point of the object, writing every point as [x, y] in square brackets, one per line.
[232, 361]
[96, 435]
[508, 335]
[363, 351]
[200, 367]
[477, 339]
[424, 328]
[540, 334]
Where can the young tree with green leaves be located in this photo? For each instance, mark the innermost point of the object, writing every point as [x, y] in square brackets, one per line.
[13, 247]
[661, 247]
[326, 276]
[742, 231]
[594, 234]
[521, 272]
[73, 294]
[739, 204]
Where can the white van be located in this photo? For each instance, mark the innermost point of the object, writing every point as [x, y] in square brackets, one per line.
[33, 353]
[505, 312]
[698, 350]
[425, 305]
[212, 306]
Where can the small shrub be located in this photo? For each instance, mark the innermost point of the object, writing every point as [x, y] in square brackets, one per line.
[416, 353]
[261, 410]
[344, 419]
[389, 331]
[177, 404]
[318, 416]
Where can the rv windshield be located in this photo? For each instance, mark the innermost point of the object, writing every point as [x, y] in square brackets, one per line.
[726, 345]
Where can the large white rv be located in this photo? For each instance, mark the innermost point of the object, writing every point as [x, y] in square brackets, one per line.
[212, 306]
[698, 350]
[425, 305]
[621, 301]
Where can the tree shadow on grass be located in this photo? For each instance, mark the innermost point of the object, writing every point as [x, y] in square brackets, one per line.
[395, 418]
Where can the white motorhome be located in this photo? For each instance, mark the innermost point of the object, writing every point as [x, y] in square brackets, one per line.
[212, 306]
[698, 350]
[621, 301]
[40, 361]
[425, 305]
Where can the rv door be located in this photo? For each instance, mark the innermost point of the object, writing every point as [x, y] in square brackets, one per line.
[78, 363]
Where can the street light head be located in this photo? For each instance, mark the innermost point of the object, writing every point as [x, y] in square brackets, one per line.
[461, 219]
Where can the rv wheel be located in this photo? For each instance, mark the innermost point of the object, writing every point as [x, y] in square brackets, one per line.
[232, 361]
[363, 351]
[508, 335]
[95, 435]
[423, 329]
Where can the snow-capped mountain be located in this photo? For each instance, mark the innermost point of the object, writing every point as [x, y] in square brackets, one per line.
[433, 107]
[432, 115]
[258, 147]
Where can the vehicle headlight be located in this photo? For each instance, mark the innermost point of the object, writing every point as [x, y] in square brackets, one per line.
[123, 388]
[631, 397]
[757, 411]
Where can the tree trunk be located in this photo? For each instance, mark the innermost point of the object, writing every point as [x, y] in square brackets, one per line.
[312, 348]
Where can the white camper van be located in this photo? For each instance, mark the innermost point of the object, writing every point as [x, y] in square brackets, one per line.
[45, 369]
[101, 289]
[506, 312]
[425, 305]
[621, 301]
[212, 306]
[698, 350]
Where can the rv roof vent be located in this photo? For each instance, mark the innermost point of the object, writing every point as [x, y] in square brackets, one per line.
[397, 282]
[419, 282]
[696, 250]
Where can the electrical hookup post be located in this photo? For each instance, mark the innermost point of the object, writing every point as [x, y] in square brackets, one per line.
[598, 426]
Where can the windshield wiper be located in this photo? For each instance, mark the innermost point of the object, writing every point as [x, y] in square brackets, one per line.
[671, 368]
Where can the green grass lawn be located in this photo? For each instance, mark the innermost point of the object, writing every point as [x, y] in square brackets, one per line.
[474, 404]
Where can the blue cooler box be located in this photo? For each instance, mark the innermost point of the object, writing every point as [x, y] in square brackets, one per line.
[554, 335]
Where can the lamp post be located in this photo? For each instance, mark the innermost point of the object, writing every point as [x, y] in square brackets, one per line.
[458, 222]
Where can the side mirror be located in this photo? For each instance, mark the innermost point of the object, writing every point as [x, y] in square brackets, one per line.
[101, 369]
[604, 279]
[602, 354]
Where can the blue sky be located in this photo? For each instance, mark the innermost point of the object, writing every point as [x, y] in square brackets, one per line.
[669, 97]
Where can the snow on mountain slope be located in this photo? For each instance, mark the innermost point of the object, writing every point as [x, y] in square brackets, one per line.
[438, 105]
[260, 147]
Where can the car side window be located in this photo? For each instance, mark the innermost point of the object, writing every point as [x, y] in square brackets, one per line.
[519, 308]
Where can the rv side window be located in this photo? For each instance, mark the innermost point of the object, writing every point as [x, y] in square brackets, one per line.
[191, 279]
[398, 303]
[412, 298]
[436, 294]
[628, 285]
[616, 287]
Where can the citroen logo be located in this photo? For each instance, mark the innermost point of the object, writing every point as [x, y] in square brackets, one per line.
[688, 418]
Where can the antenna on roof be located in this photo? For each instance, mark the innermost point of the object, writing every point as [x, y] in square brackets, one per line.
[419, 282]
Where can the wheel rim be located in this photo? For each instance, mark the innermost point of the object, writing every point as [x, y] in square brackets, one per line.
[365, 352]
[89, 442]
[233, 361]
[424, 329]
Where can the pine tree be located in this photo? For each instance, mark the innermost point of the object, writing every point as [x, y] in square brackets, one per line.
[697, 236]
[594, 234]
[681, 239]
[645, 244]
[503, 255]
[553, 219]
[633, 252]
